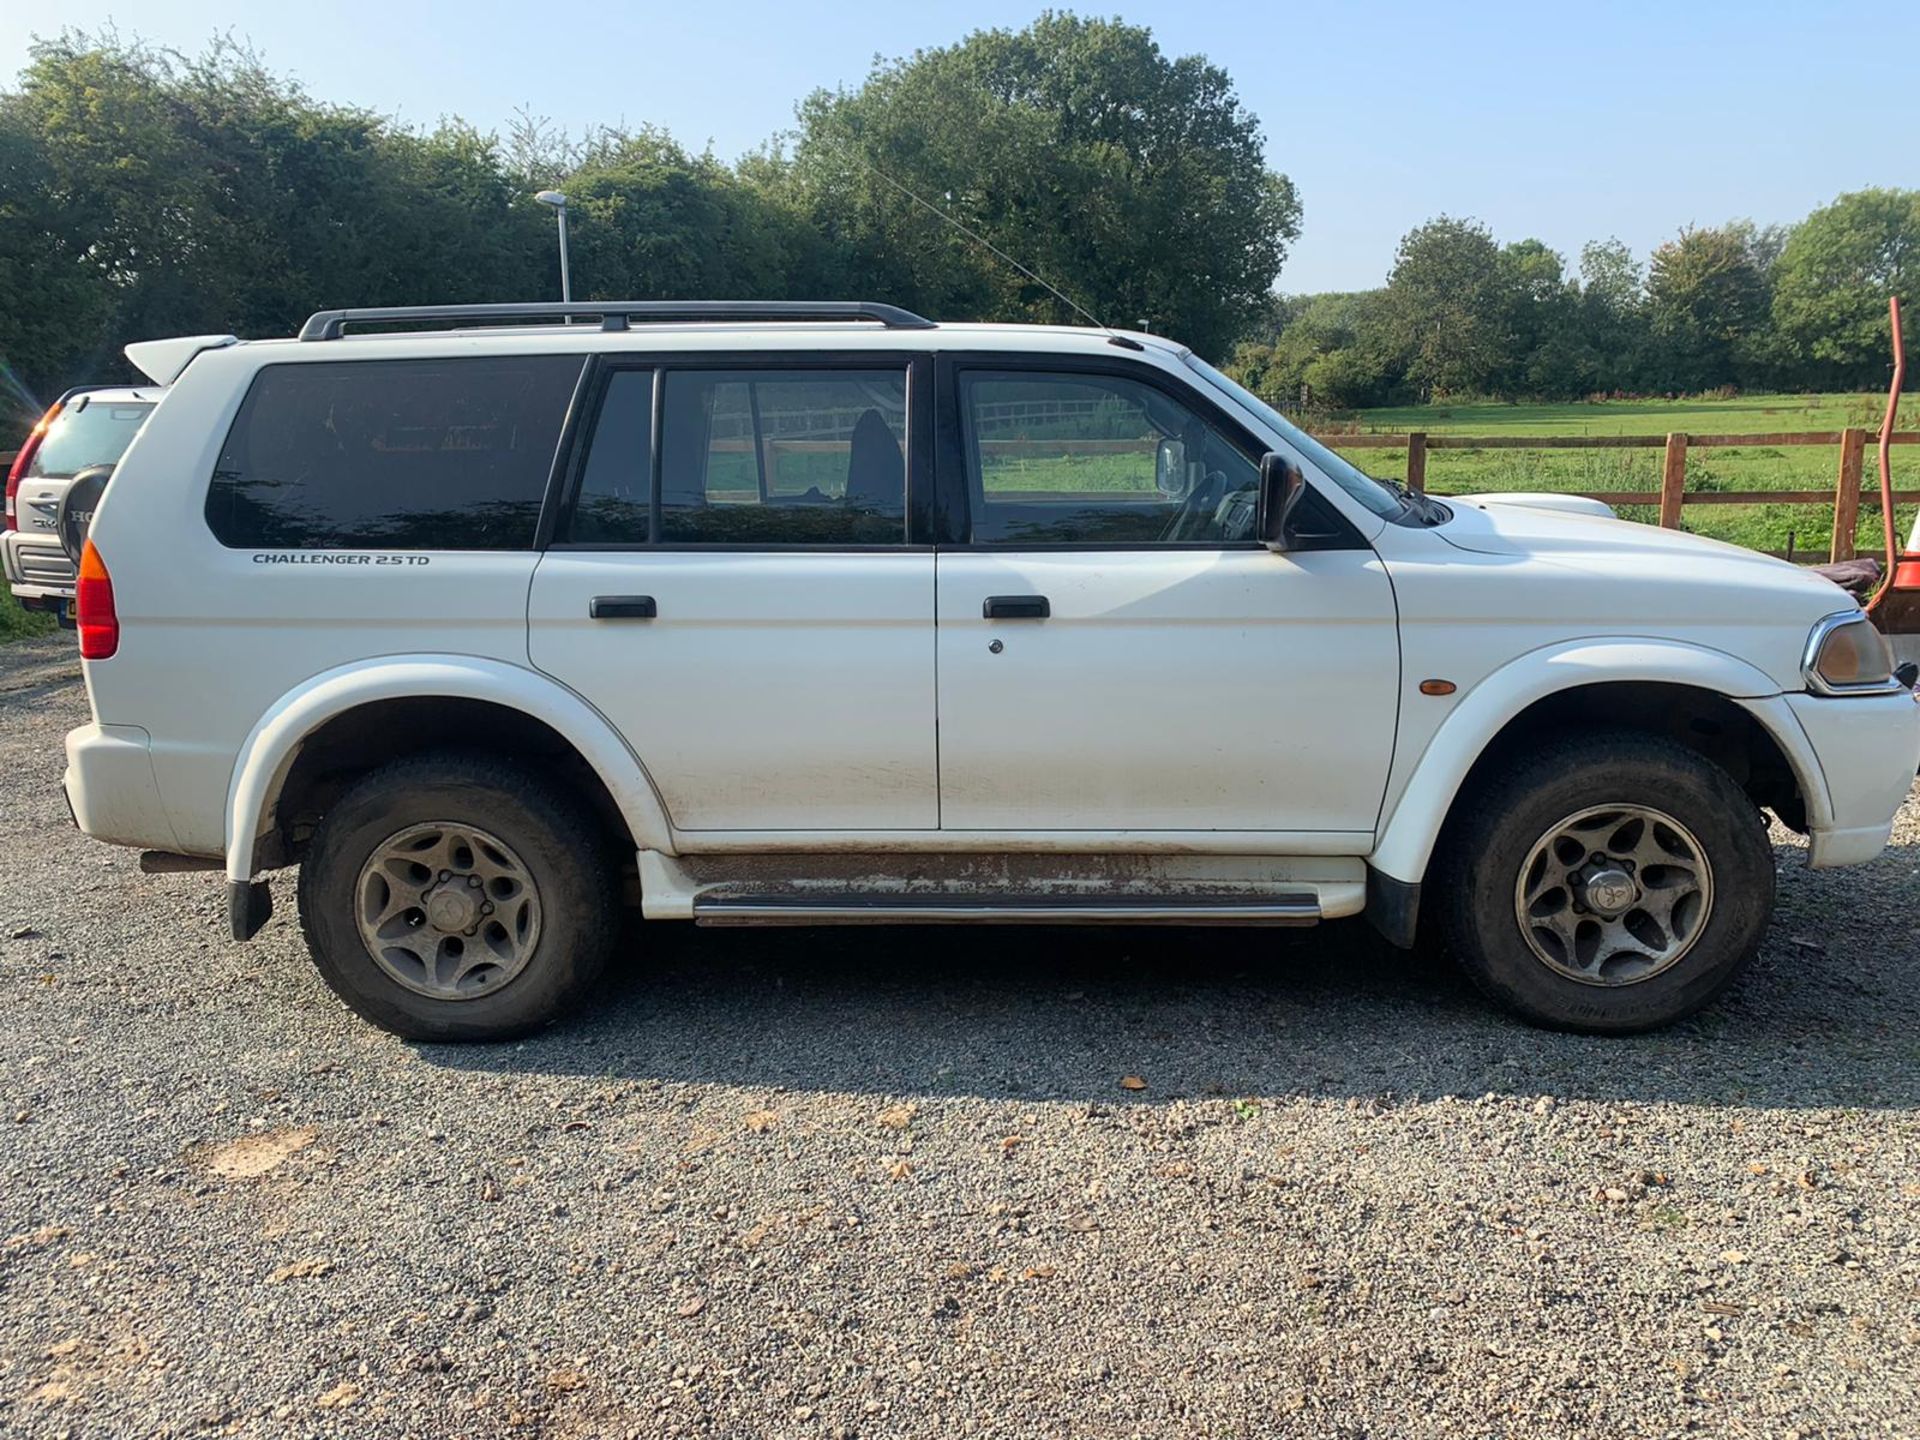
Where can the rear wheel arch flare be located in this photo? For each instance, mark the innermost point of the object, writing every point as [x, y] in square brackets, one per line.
[310, 745]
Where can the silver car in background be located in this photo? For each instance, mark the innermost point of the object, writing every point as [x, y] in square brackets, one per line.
[86, 427]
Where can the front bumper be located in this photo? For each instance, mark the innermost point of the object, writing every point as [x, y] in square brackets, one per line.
[111, 788]
[1868, 749]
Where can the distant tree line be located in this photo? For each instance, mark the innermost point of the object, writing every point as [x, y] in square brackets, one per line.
[1802, 307]
[144, 193]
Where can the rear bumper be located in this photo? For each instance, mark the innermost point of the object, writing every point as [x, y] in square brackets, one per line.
[111, 788]
[1869, 749]
[35, 566]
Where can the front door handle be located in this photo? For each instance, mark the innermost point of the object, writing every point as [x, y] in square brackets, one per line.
[1016, 607]
[622, 607]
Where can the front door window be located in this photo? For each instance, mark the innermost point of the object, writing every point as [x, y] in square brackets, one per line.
[1099, 459]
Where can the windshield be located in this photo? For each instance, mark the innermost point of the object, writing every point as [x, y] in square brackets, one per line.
[88, 432]
[1356, 482]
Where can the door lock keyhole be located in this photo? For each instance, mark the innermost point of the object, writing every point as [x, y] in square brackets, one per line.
[996, 646]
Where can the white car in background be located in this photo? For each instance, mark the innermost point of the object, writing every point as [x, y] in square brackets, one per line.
[88, 427]
[824, 613]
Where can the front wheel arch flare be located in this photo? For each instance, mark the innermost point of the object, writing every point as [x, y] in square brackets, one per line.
[1435, 779]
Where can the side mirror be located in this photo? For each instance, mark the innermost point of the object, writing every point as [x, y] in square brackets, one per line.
[1281, 486]
[1170, 468]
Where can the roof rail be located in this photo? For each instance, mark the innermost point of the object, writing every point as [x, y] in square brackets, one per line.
[616, 314]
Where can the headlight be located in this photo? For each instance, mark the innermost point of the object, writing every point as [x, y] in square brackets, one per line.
[1847, 656]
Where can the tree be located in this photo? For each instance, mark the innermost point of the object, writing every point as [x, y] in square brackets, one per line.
[1134, 182]
[1832, 281]
[1446, 293]
[653, 222]
[1612, 314]
[54, 308]
[1334, 351]
[1545, 354]
[1707, 302]
[148, 194]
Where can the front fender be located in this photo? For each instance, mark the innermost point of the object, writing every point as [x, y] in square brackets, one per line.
[261, 768]
[1412, 825]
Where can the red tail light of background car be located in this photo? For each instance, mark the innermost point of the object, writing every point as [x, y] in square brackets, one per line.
[18, 471]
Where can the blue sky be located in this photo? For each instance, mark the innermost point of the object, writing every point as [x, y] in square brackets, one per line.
[1559, 121]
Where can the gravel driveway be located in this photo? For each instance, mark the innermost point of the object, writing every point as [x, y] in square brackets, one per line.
[889, 1183]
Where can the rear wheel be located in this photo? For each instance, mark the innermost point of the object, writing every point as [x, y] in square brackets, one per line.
[454, 897]
[1606, 882]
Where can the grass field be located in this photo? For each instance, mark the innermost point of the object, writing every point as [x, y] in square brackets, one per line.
[1764, 527]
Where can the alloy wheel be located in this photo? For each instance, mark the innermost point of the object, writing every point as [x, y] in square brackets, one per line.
[1614, 894]
[448, 910]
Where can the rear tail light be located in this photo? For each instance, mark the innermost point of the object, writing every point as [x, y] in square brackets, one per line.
[93, 609]
[18, 471]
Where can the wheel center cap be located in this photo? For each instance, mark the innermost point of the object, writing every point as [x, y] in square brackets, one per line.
[452, 908]
[1608, 892]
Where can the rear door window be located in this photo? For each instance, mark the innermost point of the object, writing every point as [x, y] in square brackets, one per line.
[784, 457]
[88, 432]
[441, 454]
[776, 457]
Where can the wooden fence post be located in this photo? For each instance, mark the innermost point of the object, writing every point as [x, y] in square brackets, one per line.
[1417, 460]
[1673, 481]
[1846, 493]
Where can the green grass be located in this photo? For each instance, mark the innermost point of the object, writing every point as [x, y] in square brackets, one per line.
[15, 622]
[1762, 527]
[1744, 414]
[1070, 474]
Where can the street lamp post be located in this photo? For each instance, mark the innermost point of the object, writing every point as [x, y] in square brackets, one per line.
[559, 204]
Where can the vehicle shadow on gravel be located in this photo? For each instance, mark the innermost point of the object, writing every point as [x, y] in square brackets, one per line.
[1822, 1019]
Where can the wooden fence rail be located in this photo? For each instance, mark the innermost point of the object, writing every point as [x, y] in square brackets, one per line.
[1673, 496]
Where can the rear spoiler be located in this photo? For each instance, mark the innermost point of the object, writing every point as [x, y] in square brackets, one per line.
[161, 361]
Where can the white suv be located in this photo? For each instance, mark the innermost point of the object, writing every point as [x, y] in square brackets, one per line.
[804, 613]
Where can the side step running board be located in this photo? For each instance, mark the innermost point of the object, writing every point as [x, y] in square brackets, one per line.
[926, 909]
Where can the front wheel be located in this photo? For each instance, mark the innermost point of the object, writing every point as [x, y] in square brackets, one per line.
[1608, 883]
[453, 897]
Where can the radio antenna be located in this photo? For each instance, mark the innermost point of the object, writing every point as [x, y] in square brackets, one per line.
[1114, 337]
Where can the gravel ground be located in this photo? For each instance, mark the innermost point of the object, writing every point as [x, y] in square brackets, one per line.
[891, 1183]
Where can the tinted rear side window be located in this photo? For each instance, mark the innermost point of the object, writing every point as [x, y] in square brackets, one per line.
[784, 457]
[88, 432]
[392, 454]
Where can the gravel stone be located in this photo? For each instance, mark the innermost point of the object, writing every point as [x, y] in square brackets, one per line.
[896, 1183]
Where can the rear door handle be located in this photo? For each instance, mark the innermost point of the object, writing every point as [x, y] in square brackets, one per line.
[1016, 607]
[622, 607]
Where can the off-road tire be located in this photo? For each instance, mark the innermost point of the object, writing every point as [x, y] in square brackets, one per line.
[1496, 827]
[558, 839]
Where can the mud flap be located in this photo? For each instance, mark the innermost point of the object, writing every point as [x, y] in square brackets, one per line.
[249, 906]
[1393, 908]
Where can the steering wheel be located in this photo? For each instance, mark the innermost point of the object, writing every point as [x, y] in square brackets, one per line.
[1202, 502]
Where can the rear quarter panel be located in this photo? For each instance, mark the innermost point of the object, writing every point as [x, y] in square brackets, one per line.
[211, 637]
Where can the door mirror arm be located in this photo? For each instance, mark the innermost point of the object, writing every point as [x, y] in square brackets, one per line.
[1281, 487]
